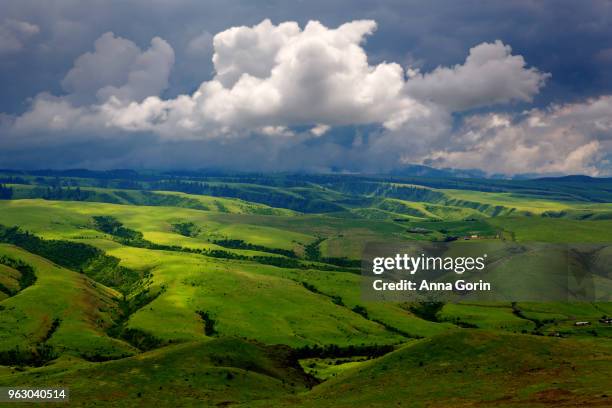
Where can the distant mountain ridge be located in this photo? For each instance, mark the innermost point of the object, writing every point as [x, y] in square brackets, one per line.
[409, 170]
[310, 193]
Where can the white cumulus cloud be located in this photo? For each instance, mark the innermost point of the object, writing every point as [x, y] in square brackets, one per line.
[269, 76]
[489, 75]
[566, 139]
[271, 80]
[266, 76]
[282, 75]
[118, 68]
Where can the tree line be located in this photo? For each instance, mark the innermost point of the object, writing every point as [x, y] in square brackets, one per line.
[77, 256]
[27, 275]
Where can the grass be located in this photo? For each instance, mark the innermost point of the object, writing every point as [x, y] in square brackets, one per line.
[487, 316]
[475, 367]
[536, 229]
[224, 371]
[346, 287]
[72, 220]
[160, 198]
[9, 278]
[246, 302]
[326, 368]
[84, 308]
[223, 330]
[522, 203]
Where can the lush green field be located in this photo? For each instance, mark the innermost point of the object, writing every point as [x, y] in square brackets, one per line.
[245, 290]
[492, 368]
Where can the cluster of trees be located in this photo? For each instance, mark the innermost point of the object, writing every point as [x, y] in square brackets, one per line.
[65, 253]
[6, 193]
[66, 194]
[209, 323]
[333, 350]
[337, 300]
[427, 310]
[110, 225]
[313, 253]
[187, 229]
[26, 271]
[13, 180]
[54, 326]
[262, 259]
[240, 244]
[129, 237]
[360, 310]
[140, 339]
[137, 338]
[36, 356]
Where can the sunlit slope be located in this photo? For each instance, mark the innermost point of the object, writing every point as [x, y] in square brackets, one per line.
[475, 367]
[538, 229]
[243, 300]
[382, 198]
[466, 354]
[62, 309]
[514, 201]
[73, 220]
[343, 235]
[464, 204]
[150, 198]
[195, 283]
[345, 289]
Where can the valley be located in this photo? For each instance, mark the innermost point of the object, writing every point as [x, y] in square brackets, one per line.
[244, 290]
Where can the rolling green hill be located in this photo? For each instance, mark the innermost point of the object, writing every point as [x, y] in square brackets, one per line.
[473, 367]
[221, 372]
[244, 290]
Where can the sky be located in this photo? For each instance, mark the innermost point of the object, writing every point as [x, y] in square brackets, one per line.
[521, 87]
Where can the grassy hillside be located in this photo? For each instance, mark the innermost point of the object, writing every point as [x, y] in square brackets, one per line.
[141, 288]
[62, 312]
[474, 367]
[221, 372]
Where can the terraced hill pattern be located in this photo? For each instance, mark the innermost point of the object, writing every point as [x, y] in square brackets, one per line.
[204, 289]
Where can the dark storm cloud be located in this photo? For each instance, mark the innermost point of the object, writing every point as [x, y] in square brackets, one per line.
[39, 43]
[568, 39]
